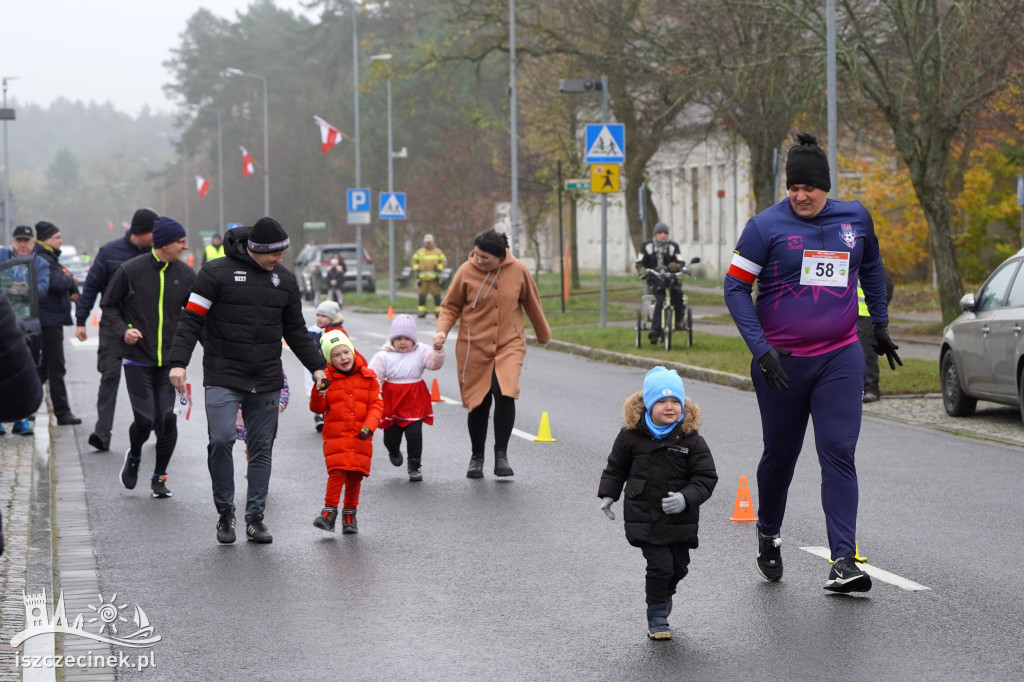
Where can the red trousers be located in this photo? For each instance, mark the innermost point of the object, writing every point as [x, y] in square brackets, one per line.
[336, 479]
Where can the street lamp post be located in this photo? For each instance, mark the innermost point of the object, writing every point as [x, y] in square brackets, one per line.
[7, 115]
[231, 71]
[355, 113]
[391, 188]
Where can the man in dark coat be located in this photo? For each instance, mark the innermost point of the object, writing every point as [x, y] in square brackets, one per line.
[108, 355]
[54, 315]
[242, 305]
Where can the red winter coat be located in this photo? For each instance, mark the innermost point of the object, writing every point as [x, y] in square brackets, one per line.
[351, 403]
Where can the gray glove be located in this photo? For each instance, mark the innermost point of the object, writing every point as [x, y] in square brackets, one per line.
[673, 503]
[606, 507]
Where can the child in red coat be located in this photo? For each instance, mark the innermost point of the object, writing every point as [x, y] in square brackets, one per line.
[351, 404]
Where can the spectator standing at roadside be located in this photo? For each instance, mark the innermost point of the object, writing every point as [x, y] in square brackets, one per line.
[111, 255]
[806, 254]
[334, 277]
[866, 334]
[243, 305]
[213, 250]
[488, 296]
[54, 315]
[427, 264]
[143, 304]
[661, 254]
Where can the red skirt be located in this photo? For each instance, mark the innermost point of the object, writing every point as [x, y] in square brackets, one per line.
[406, 403]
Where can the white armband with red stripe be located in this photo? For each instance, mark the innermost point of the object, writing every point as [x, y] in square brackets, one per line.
[198, 304]
[743, 269]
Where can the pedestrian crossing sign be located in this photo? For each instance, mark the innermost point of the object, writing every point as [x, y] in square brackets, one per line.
[606, 143]
[392, 206]
[604, 178]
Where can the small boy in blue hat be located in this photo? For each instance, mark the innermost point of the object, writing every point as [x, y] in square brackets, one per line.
[668, 473]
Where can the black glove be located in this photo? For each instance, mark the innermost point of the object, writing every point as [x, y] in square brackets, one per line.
[883, 345]
[364, 433]
[772, 368]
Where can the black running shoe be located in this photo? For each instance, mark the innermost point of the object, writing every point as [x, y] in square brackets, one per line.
[396, 457]
[226, 528]
[256, 531]
[327, 518]
[159, 486]
[97, 442]
[769, 556]
[846, 576]
[415, 476]
[130, 470]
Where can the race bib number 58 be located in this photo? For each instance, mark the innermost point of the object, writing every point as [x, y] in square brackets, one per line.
[825, 268]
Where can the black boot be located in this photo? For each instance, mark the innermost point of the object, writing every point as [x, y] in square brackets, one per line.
[348, 522]
[414, 470]
[476, 466]
[501, 467]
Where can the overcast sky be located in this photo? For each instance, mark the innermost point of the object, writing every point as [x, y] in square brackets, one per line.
[98, 50]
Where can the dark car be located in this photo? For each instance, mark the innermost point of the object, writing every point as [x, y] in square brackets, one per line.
[314, 259]
[982, 353]
[18, 278]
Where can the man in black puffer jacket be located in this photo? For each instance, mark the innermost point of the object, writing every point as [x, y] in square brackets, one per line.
[243, 305]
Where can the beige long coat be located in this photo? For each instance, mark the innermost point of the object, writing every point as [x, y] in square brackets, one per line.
[489, 306]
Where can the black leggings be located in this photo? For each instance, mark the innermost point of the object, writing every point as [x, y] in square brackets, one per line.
[504, 420]
[152, 398]
[413, 440]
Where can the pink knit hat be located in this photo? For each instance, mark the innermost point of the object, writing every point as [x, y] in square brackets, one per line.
[403, 326]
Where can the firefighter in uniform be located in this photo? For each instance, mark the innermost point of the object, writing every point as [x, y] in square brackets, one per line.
[427, 265]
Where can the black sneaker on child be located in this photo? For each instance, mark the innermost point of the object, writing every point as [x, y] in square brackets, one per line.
[348, 522]
[769, 556]
[846, 576]
[130, 470]
[159, 486]
[226, 527]
[256, 531]
[415, 476]
[396, 457]
[327, 518]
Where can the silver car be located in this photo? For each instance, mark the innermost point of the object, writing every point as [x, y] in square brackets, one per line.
[982, 354]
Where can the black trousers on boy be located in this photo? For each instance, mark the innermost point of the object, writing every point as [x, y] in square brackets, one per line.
[666, 566]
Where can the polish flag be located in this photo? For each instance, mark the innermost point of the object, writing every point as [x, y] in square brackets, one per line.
[329, 135]
[202, 186]
[247, 167]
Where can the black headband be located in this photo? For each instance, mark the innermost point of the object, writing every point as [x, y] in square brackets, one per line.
[493, 248]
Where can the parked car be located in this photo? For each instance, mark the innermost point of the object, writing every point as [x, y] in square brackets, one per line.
[76, 264]
[18, 278]
[982, 353]
[312, 263]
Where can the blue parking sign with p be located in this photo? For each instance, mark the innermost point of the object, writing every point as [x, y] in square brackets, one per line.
[358, 200]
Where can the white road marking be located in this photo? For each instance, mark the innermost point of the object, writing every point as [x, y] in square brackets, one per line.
[873, 571]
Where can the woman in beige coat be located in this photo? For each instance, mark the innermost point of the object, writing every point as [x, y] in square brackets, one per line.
[488, 295]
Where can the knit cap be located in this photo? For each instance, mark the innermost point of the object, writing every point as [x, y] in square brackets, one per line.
[331, 310]
[267, 236]
[403, 326]
[807, 164]
[662, 383]
[331, 340]
[167, 231]
[661, 228]
[142, 221]
[45, 230]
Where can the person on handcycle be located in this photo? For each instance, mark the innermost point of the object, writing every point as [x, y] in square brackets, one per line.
[661, 254]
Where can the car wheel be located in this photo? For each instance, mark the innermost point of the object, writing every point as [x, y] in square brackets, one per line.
[956, 402]
[370, 287]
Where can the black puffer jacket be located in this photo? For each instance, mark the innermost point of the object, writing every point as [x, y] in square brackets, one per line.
[242, 311]
[652, 468]
[19, 380]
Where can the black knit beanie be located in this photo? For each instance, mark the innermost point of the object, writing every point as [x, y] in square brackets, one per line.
[807, 164]
[493, 242]
[45, 230]
[142, 221]
[267, 236]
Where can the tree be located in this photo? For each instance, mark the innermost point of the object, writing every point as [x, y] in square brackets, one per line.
[928, 65]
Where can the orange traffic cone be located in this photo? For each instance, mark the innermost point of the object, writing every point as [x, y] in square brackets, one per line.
[744, 509]
[95, 320]
[391, 313]
[435, 393]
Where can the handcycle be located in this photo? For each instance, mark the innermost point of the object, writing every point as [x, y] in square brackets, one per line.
[663, 281]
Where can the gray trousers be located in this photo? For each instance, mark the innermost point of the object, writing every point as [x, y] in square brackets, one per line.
[259, 411]
[108, 364]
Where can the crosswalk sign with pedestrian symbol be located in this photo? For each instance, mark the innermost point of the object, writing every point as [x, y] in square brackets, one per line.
[392, 206]
[606, 143]
[604, 178]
